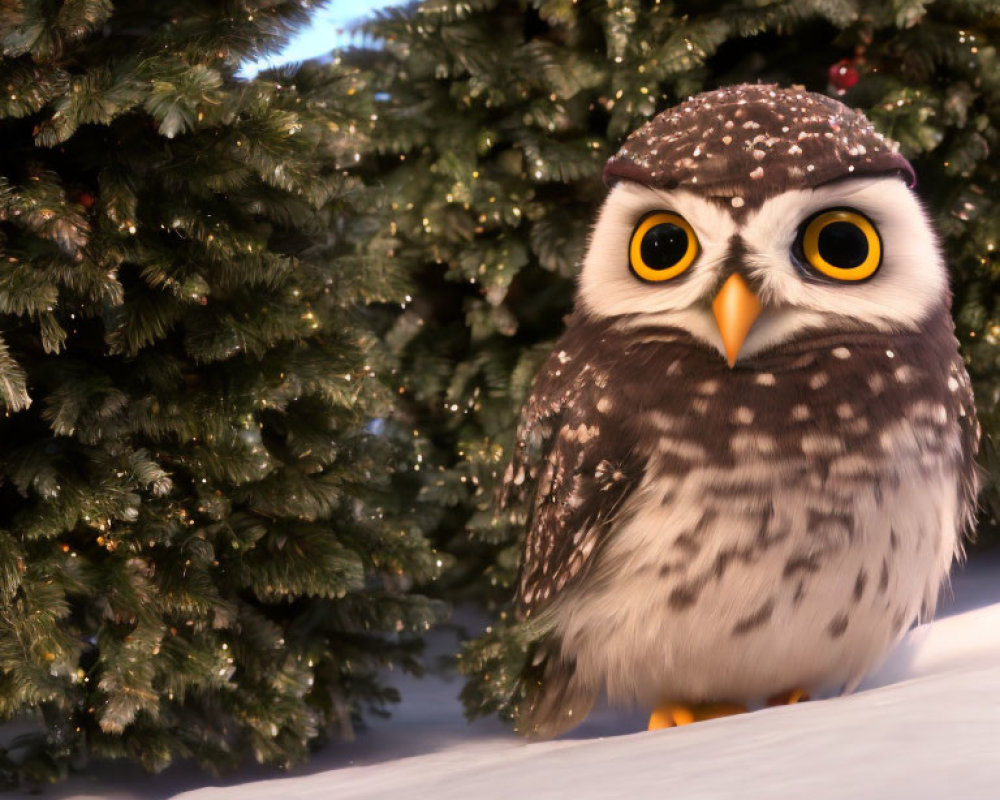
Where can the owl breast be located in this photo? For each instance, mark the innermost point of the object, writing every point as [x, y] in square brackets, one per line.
[794, 518]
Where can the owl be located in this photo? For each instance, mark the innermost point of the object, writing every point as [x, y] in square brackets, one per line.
[750, 459]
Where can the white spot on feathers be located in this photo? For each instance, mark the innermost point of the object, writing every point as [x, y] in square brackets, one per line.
[581, 433]
[604, 405]
[678, 447]
[663, 422]
[851, 466]
[821, 444]
[841, 352]
[801, 412]
[585, 433]
[819, 380]
[857, 426]
[752, 443]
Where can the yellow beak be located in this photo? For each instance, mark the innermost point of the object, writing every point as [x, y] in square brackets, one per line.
[735, 308]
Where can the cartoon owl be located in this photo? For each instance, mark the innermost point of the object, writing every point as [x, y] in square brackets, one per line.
[749, 460]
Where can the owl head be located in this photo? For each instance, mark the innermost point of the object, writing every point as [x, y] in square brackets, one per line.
[755, 215]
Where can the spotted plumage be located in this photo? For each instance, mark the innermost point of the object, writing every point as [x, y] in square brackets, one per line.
[748, 142]
[711, 522]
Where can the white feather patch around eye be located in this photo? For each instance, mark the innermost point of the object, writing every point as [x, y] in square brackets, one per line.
[607, 287]
[911, 281]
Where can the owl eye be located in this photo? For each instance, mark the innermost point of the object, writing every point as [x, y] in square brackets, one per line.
[839, 243]
[663, 245]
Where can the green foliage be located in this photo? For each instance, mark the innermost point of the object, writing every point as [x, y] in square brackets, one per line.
[495, 665]
[495, 119]
[201, 553]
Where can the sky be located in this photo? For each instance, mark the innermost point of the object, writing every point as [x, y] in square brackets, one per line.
[329, 30]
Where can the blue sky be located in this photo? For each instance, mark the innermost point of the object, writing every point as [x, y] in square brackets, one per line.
[329, 30]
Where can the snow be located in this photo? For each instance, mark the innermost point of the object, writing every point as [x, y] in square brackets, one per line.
[925, 725]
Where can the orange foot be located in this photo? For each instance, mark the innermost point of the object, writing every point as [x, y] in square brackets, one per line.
[670, 716]
[789, 698]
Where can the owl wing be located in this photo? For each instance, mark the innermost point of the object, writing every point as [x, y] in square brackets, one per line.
[971, 434]
[574, 464]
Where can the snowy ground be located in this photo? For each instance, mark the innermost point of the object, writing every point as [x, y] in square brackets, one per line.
[925, 725]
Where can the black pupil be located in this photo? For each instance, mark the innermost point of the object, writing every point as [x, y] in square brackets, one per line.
[843, 245]
[663, 245]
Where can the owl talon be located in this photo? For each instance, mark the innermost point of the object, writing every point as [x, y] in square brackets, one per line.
[669, 716]
[788, 698]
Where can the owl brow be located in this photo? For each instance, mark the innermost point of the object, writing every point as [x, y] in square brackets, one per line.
[858, 199]
[848, 186]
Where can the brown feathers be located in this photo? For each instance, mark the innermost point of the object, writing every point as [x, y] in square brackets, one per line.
[618, 411]
[575, 460]
[741, 143]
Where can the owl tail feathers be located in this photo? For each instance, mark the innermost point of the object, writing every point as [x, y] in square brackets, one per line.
[555, 699]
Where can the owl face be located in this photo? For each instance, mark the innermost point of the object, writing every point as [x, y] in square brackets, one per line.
[849, 255]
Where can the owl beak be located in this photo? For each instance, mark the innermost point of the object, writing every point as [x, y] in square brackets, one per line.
[735, 308]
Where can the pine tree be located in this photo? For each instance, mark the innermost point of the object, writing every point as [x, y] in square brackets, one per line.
[496, 117]
[201, 554]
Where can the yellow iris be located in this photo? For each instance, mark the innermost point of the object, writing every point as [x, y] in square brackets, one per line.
[663, 245]
[842, 244]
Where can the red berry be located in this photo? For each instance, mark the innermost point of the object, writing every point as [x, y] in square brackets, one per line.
[843, 75]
